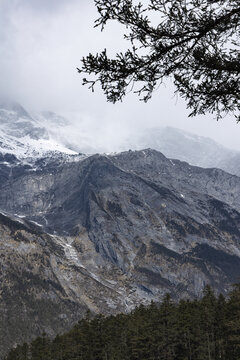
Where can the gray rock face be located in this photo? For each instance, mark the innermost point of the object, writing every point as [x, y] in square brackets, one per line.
[108, 232]
[43, 286]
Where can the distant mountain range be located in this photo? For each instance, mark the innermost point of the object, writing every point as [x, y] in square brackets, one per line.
[194, 149]
[26, 135]
[105, 232]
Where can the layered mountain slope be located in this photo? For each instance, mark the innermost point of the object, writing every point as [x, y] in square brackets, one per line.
[43, 285]
[125, 201]
[109, 232]
[32, 298]
[58, 189]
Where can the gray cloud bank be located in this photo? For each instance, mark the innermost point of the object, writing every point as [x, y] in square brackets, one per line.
[41, 43]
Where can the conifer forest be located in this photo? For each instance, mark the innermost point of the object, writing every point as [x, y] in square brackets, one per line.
[201, 329]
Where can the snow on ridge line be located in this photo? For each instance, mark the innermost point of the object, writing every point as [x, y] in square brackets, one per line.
[15, 217]
[25, 136]
[25, 148]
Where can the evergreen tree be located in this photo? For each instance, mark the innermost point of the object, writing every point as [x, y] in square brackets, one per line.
[40, 348]
[221, 318]
[204, 329]
[195, 43]
[208, 312]
[233, 325]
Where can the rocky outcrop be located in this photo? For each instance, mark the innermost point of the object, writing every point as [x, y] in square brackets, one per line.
[44, 287]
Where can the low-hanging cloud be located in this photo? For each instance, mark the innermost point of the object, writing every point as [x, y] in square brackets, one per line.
[42, 42]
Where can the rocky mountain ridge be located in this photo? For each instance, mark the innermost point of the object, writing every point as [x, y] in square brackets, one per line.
[185, 146]
[106, 233]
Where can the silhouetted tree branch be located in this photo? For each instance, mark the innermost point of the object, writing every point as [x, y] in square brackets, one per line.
[196, 44]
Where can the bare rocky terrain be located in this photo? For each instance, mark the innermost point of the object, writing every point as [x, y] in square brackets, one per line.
[107, 233]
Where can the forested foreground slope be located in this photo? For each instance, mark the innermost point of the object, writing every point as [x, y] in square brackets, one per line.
[208, 328]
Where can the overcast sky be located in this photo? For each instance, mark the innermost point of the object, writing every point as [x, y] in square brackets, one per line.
[41, 43]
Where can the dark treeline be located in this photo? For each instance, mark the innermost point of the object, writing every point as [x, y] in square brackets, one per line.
[203, 329]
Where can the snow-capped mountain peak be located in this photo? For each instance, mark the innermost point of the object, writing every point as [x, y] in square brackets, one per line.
[25, 136]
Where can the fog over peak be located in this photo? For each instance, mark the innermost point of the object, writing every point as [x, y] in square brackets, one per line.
[28, 135]
[42, 42]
